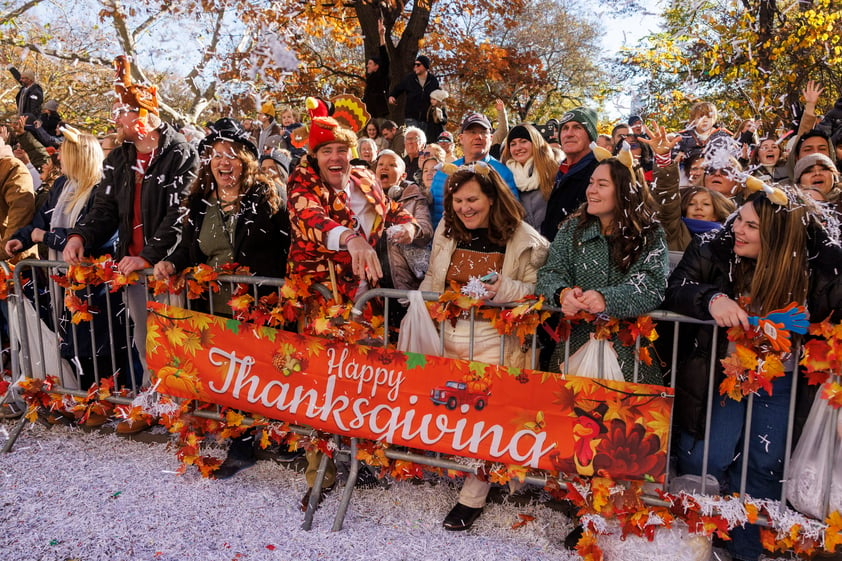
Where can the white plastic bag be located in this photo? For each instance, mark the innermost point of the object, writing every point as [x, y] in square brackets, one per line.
[813, 471]
[49, 343]
[585, 361]
[418, 333]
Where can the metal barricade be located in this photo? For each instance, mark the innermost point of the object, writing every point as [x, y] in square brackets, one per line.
[35, 361]
[660, 316]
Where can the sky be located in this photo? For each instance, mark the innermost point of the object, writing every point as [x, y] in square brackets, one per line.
[626, 31]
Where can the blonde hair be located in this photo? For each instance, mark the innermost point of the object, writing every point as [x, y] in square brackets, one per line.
[543, 157]
[81, 161]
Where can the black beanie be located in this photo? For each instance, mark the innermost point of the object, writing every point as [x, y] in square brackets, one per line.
[423, 60]
[518, 132]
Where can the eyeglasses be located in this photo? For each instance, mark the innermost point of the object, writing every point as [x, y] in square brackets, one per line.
[418, 64]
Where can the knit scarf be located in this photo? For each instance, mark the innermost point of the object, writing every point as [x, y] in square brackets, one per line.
[525, 177]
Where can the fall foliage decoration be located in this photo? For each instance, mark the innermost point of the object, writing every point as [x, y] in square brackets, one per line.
[753, 365]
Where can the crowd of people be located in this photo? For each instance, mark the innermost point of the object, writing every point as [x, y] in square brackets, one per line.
[592, 222]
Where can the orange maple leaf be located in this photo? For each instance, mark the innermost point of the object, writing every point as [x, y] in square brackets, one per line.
[524, 520]
[832, 392]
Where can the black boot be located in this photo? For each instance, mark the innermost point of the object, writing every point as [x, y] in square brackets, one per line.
[461, 518]
[240, 455]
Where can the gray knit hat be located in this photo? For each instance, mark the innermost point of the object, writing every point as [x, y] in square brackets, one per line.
[810, 160]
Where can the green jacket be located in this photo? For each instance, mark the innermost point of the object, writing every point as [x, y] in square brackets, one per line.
[586, 263]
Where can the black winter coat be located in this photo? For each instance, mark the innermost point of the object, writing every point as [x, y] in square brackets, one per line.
[261, 239]
[170, 173]
[56, 238]
[704, 271]
[76, 341]
[417, 97]
[377, 86]
[568, 194]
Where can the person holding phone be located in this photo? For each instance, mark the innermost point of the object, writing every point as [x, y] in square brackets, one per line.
[483, 235]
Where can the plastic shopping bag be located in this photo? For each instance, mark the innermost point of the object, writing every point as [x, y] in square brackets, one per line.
[585, 361]
[418, 333]
[814, 472]
[47, 346]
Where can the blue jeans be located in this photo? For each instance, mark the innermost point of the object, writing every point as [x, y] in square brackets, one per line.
[766, 449]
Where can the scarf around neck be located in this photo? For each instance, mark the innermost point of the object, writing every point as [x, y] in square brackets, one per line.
[525, 177]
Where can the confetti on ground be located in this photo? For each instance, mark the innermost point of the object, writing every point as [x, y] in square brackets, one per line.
[68, 494]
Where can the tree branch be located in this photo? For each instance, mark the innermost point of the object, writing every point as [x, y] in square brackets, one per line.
[152, 19]
[6, 18]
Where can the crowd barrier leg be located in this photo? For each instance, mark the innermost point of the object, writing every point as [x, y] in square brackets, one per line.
[315, 495]
[10, 442]
[348, 490]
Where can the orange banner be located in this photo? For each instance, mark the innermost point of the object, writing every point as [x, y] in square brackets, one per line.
[522, 417]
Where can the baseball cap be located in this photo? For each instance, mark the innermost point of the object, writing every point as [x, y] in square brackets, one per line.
[475, 119]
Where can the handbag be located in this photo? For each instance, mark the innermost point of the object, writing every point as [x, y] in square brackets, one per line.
[418, 333]
[585, 361]
[815, 469]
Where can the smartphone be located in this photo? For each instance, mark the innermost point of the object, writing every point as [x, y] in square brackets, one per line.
[490, 278]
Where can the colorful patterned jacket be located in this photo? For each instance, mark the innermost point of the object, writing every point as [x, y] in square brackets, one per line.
[315, 209]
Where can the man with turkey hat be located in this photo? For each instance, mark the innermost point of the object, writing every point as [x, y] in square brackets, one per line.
[338, 215]
[142, 186]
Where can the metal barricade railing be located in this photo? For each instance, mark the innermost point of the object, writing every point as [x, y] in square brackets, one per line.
[34, 362]
[660, 316]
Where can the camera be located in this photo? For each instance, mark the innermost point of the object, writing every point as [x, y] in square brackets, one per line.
[549, 131]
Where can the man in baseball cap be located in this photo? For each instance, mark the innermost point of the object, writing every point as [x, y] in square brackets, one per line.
[475, 139]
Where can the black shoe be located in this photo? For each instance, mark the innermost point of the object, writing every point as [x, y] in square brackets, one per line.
[573, 537]
[461, 517]
[305, 500]
[286, 456]
[232, 465]
[366, 479]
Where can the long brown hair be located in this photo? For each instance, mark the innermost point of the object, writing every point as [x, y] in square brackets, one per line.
[205, 183]
[504, 217]
[634, 224]
[783, 247]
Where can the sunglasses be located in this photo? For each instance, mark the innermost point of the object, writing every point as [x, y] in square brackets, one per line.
[418, 64]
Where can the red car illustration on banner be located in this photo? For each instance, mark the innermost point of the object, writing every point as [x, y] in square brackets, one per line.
[452, 394]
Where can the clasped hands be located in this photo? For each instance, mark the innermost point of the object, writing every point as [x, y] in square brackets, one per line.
[575, 300]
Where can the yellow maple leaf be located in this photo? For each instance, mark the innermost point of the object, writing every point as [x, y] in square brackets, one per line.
[659, 423]
[153, 336]
[192, 344]
[321, 325]
[600, 492]
[234, 419]
[176, 336]
[833, 534]
[202, 321]
[746, 357]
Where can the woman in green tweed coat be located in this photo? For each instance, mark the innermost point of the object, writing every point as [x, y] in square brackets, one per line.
[610, 258]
